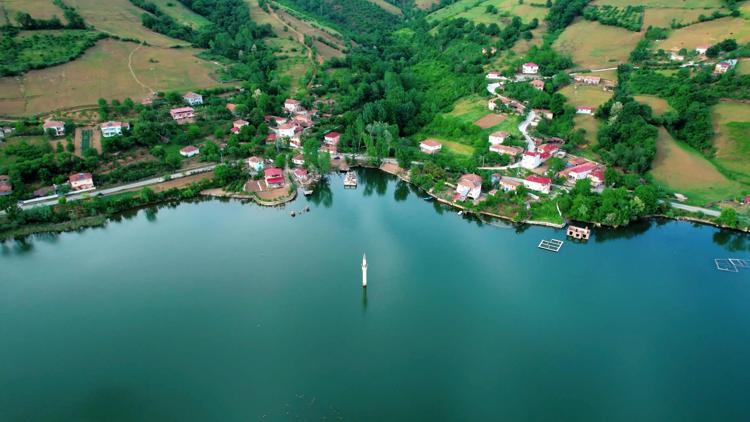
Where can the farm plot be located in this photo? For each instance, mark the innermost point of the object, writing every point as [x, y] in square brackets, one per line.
[708, 33]
[386, 6]
[593, 45]
[688, 4]
[681, 169]
[104, 71]
[476, 11]
[664, 16]
[586, 95]
[732, 126]
[181, 13]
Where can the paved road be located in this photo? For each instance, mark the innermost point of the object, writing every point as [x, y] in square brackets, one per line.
[523, 128]
[121, 188]
[690, 208]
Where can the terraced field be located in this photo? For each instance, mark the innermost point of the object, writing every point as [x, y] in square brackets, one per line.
[476, 11]
[181, 13]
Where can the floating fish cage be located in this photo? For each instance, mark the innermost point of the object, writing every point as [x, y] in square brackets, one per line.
[731, 265]
[552, 245]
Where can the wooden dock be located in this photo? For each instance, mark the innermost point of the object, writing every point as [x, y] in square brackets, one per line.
[552, 245]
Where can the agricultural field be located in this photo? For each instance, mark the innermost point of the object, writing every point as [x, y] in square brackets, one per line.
[455, 147]
[743, 67]
[593, 45]
[473, 108]
[663, 16]
[708, 33]
[301, 27]
[121, 18]
[687, 4]
[104, 72]
[658, 105]
[585, 95]
[680, 169]
[40, 9]
[181, 13]
[387, 6]
[732, 126]
[475, 11]
[591, 126]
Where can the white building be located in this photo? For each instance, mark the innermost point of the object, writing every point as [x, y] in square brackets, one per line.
[530, 68]
[468, 186]
[55, 127]
[292, 106]
[497, 138]
[585, 110]
[255, 163]
[429, 146]
[81, 181]
[286, 130]
[538, 183]
[532, 160]
[110, 129]
[193, 99]
[189, 151]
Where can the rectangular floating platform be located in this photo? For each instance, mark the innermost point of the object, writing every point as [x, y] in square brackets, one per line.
[731, 265]
[552, 245]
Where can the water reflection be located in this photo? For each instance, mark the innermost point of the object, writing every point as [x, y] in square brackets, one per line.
[402, 191]
[636, 228]
[364, 300]
[731, 240]
[151, 213]
[322, 194]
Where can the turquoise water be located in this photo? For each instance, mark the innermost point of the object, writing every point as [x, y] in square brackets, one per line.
[221, 311]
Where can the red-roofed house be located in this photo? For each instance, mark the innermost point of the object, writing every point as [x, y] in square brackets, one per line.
[429, 146]
[538, 183]
[81, 181]
[332, 138]
[193, 99]
[55, 127]
[189, 151]
[292, 106]
[588, 79]
[584, 110]
[578, 172]
[548, 148]
[508, 184]
[287, 130]
[494, 75]
[722, 67]
[538, 84]
[6, 188]
[497, 138]
[300, 174]
[274, 177]
[110, 129]
[238, 124]
[530, 68]
[532, 160]
[468, 186]
[597, 177]
[231, 107]
[182, 114]
[298, 160]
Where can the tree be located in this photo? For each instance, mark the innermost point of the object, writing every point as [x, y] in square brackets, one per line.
[324, 163]
[728, 218]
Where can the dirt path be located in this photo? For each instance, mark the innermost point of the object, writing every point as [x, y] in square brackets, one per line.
[130, 67]
[301, 39]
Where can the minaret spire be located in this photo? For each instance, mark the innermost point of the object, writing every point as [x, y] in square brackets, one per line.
[364, 270]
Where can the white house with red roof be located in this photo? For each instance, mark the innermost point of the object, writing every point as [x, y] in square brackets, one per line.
[494, 75]
[55, 127]
[530, 68]
[506, 150]
[287, 130]
[193, 99]
[722, 67]
[597, 177]
[532, 160]
[538, 183]
[231, 107]
[292, 105]
[578, 172]
[300, 174]
[182, 114]
[538, 84]
[110, 129]
[81, 181]
[189, 151]
[497, 138]
[298, 160]
[585, 110]
[429, 146]
[332, 138]
[468, 186]
[255, 163]
[274, 177]
[548, 148]
[237, 125]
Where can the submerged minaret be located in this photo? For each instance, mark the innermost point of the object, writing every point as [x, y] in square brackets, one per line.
[364, 271]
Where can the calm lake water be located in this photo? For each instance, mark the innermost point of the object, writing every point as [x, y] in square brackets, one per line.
[222, 311]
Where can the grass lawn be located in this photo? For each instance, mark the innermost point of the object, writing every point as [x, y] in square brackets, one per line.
[181, 13]
[103, 72]
[456, 147]
[708, 33]
[687, 4]
[591, 126]
[658, 105]
[472, 108]
[663, 17]
[40, 9]
[743, 67]
[585, 95]
[681, 169]
[732, 126]
[424, 4]
[593, 45]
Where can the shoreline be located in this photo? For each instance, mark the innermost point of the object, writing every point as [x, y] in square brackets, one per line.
[102, 220]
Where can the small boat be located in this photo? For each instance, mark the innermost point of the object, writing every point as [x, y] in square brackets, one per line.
[460, 213]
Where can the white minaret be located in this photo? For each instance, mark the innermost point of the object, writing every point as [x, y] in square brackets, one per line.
[364, 271]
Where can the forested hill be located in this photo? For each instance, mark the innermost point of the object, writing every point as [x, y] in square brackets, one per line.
[362, 20]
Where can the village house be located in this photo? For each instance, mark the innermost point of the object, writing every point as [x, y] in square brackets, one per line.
[676, 57]
[189, 151]
[701, 49]
[494, 75]
[193, 99]
[585, 110]
[498, 137]
[532, 160]
[578, 172]
[6, 188]
[237, 125]
[543, 112]
[506, 150]
[298, 160]
[428, 146]
[548, 149]
[296, 140]
[538, 183]
[231, 107]
[81, 181]
[255, 163]
[332, 138]
[722, 67]
[530, 68]
[287, 130]
[55, 127]
[538, 84]
[274, 177]
[510, 184]
[292, 106]
[110, 129]
[587, 79]
[597, 177]
[300, 174]
[271, 138]
[302, 120]
[182, 114]
[468, 186]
